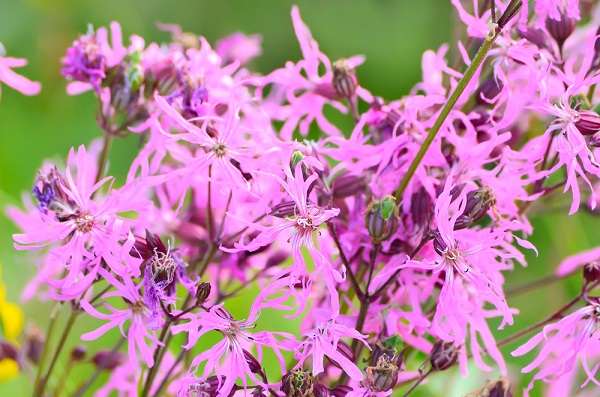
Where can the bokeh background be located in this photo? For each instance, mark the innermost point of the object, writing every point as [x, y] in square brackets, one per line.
[392, 34]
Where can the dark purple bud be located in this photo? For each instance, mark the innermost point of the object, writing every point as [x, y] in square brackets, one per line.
[341, 391]
[534, 36]
[421, 208]
[561, 30]
[588, 123]
[489, 89]
[345, 350]
[297, 383]
[443, 355]
[276, 259]
[252, 362]
[346, 185]
[462, 222]
[319, 390]
[594, 140]
[8, 350]
[478, 204]
[500, 388]
[78, 353]
[591, 272]
[381, 219]
[108, 360]
[344, 78]
[34, 344]
[284, 210]
[202, 293]
[438, 243]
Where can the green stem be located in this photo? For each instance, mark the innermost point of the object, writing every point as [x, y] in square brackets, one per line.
[51, 327]
[103, 156]
[462, 84]
[61, 344]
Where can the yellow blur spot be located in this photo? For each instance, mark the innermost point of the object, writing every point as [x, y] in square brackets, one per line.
[11, 316]
[8, 369]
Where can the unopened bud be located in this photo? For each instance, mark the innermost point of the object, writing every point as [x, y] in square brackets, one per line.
[500, 388]
[8, 351]
[108, 360]
[561, 30]
[534, 36]
[439, 244]
[341, 391]
[443, 355]
[319, 390]
[78, 353]
[283, 210]
[381, 219]
[34, 344]
[594, 140]
[345, 350]
[383, 376]
[297, 383]
[591, 272]
[202, 293]
[588, 123]
[421, 208]
[344, 78]
[478, 204]
[347, 185]
[489, 89]
[252, 362]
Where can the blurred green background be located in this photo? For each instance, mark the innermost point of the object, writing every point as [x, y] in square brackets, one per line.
[392, 35]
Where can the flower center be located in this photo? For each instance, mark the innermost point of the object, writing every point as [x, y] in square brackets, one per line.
[84, 223]
[220, 149]
[305, 223]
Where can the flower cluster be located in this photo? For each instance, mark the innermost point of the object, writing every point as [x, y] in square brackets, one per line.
[392, 238]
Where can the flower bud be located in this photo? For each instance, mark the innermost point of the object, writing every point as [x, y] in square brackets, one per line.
[560, 30]
[78, 353]
[381, 219]
[478, 204]
[341, 391]
[594, 140]
[443, 355]
[344, 78]
[319, 390]
[108, 360]
[591, 272]
[346, 185]
[345, 350]
[252, 362]
[534, 36]
[384, 376]
[202, 293]
[8, 351]
[34, 344]
[283, 210]
[438, 243]
[489, 89]
[588, 123]
[421, 208]
[500, 388]
[297, 383]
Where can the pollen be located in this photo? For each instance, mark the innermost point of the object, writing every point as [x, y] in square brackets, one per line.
[84, 223]
[220, 149]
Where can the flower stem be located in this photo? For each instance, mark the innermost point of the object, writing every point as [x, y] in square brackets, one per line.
[104, 156]
[61, 344]
[462, 84]
[99, 368]
[39, 385]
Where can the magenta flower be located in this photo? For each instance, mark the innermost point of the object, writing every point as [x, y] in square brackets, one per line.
[323, 341]
[229, 359]
[13, 80]
[80, 227]
[563, 343]
[136, 316]
[307, 219]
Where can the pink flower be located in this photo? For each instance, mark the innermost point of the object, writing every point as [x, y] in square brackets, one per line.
[136, 315]
[563, 343]
[229, 359]
[239, 48]
[323, 341]
[13, 80]
[307, 219]
[82, 228]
